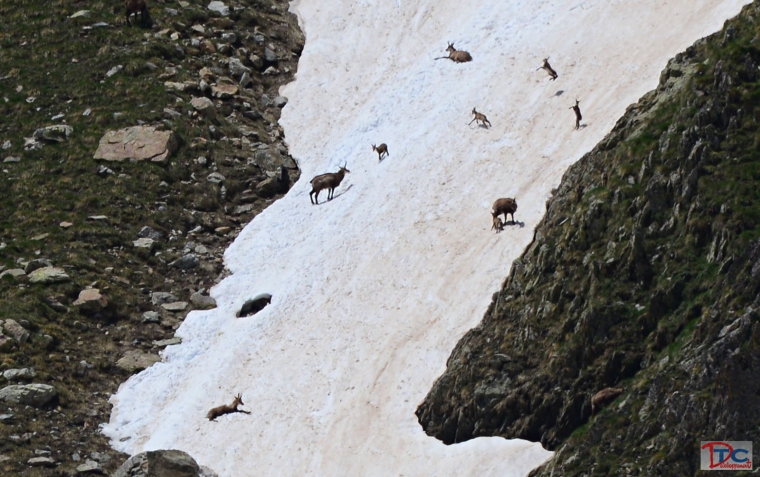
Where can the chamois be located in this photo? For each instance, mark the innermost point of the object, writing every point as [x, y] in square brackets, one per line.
[577, 110]
[480, 117]
[226, 409]
[604, 397]
[136, 6]
[457, 56]
[381, 149]
[548, 68]
[504, 206]
[328, 181]
[498, 225]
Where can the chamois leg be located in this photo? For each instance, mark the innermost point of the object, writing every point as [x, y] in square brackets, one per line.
[128, 22]
[316, 197]
[471, 121]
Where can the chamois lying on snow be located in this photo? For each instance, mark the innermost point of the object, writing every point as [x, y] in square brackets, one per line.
[136, 6]
[548, 68]
[457, 56]
[604, 397]
[577, 110]
[480, 117]
[381, 149]
[504, 206]
[328, 181]
[227, 409]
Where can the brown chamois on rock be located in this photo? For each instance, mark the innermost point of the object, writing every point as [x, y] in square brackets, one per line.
[604, 397]
[457, 56]
[577, 110]
[498, 225]
[328, 181]
[227, 408]
[381, 149]
[548, 68]
[136, 6]
[504, 206]
[480, 117]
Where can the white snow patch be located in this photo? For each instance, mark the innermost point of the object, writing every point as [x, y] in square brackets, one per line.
[372, 290]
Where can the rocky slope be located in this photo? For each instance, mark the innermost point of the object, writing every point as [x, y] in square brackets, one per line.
[643, 275]
[101, 260]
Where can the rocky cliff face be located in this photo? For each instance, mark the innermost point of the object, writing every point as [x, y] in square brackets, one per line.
[643, 275]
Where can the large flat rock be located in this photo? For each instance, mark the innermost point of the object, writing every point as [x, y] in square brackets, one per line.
[138, 143]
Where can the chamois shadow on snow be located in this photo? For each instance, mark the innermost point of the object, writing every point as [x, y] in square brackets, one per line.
[518, 223]
[335, 196]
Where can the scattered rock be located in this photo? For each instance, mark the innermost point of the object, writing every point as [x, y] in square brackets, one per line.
[215, 178]
[220, 8]
[104, 171]
[98, 218]
[202, 301]
[270, 55]
[113, 71]
[36, 264]
[175, 306]
[90, 301]
[169, 342]
[204, 106]
[90, 466]
[280, 101]
[136, 360]
[150, 232]
[161, 463]
[57, 133]
[245, 80]
[41, 462]
[268, 187]
[151, 317]
[13, 272]
[224, 90]
[47, 275]
[11, 159]
[23, 374]
[187, 262]
[15, 331]
[242, 209]
[65, 225]
[138, 143]
[36, 395]
[146, 243]
[237, 68]
[159, 298]
[80, 14]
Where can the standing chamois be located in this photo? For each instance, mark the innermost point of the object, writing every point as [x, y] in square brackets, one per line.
[328, 181]
[227, 409]
[498, 225]
[136, 6]
[548, 68]
[577, 110]
[480, 117]
[457, 56]
[504, 206]
[381, 149]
